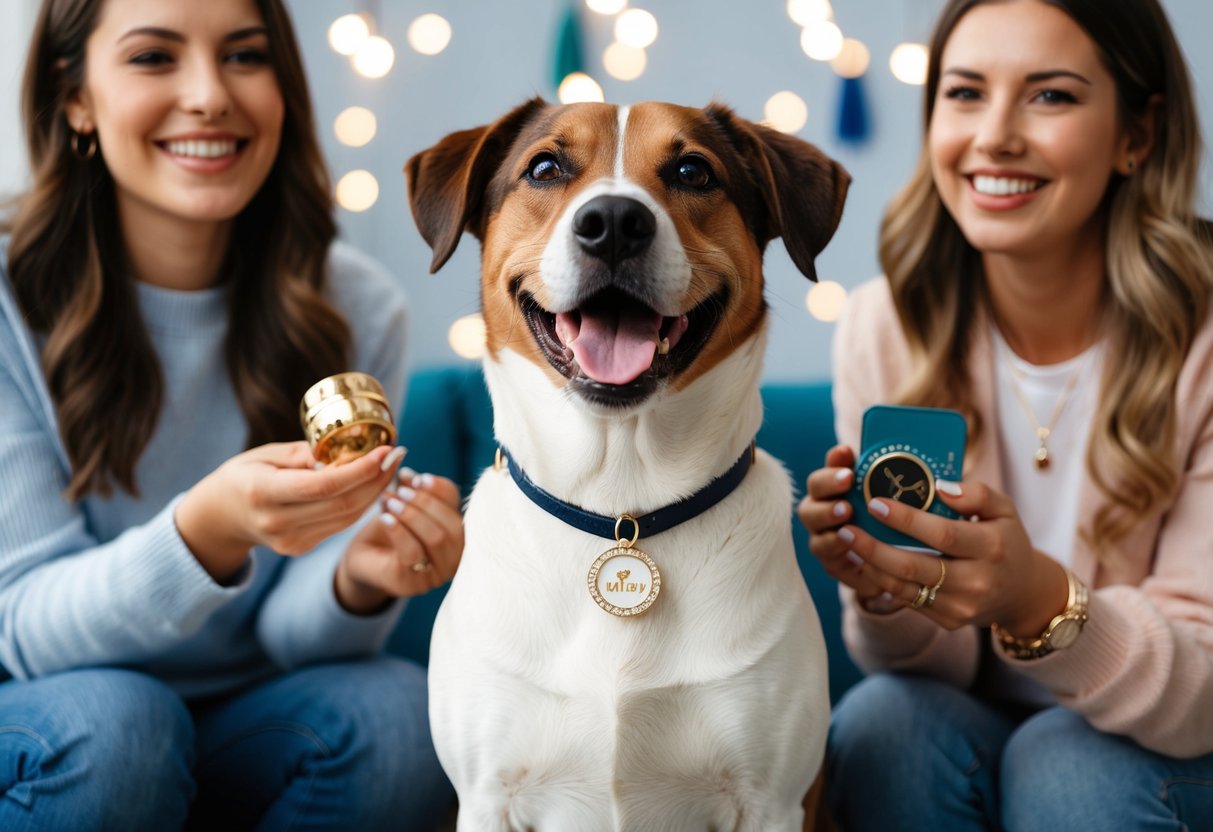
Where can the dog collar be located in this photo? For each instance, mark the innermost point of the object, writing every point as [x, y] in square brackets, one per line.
[646, 525]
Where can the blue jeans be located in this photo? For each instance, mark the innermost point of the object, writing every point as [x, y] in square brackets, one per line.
[912, 753]
[338, 746]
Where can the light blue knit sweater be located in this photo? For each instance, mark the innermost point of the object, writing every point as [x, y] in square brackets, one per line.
[110, 581]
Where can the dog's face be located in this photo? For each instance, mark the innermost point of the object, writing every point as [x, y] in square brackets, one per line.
[622, 246]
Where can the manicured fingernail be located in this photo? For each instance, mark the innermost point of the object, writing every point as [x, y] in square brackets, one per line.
[387, 519]
[406, 494]
[406, 473]
[425, 480]
[952, 489]
[854, 559]
[882, 602]
[841, 474]
[848, 536]
[318, 466]
[394, 505]
[839, 509]
[392, 459]
[878, 507]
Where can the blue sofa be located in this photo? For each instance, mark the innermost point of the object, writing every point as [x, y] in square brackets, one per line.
[447, 425]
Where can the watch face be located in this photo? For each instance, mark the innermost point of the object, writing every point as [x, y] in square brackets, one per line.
[1065, 633]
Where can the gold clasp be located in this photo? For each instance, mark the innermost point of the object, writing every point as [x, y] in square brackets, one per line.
[627, 544]
[498, 460]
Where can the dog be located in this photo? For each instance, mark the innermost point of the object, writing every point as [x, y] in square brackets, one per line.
[619, 651]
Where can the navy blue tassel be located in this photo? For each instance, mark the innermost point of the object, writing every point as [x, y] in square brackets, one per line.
[854, 126]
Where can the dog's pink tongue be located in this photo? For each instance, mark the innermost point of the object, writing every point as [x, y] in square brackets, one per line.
[613, 348]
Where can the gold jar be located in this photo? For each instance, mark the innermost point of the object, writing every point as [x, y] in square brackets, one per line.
[345, 416]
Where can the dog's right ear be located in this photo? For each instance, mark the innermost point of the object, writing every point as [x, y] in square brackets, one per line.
[447, 182]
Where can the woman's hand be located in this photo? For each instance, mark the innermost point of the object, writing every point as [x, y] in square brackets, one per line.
[412, 547]
[274, 496]
[993, 574]
[823, 511]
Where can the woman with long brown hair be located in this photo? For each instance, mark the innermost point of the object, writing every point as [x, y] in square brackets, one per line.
[1047, 275]
[184, 632]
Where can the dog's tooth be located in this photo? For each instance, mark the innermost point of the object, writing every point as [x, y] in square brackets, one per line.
[663, 346]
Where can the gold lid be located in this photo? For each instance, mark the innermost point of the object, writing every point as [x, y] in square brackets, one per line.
[345, 416]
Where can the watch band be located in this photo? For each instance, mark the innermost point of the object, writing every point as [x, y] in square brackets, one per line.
[1061, 632]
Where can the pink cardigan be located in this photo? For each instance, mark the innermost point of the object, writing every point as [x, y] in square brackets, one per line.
[1143, 666]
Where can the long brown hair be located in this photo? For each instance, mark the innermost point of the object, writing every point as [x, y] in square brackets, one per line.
[67, 264]
[1159, 255]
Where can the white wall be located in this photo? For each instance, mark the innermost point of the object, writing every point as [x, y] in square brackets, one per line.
[738, 52]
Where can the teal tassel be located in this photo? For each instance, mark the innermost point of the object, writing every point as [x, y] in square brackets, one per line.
[569, 55]
[854, 126]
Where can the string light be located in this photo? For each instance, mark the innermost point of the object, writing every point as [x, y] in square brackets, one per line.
[467, 336]
[347, 34]
[357, 190]
[578, 87]
[606, 7]
[624, 62]
[808, 12]
[786, 112]
[636, 27]
[909, 63]
[355, 126]
[429, 34]
[826, 300]
[375, 58]
[852, 60]
[821, 41]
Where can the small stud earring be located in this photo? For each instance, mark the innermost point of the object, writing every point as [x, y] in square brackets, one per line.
[1131, 164]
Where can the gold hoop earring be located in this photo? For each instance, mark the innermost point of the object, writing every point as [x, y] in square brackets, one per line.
[90, 149]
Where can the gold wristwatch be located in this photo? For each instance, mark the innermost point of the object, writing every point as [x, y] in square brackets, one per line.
[1062, 631]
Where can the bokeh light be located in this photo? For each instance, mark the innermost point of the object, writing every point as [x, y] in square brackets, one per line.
[357, 190]
[909, 63]
[429, 34]
[466, 336]
[786, 112]
[853, 60]
[636, 27]
[375, 58]
[347, 34]
[821, 41]
[355, 126]
[806, 12]
[578, 87]
[624, 62]
[606, 6]
[826, 300]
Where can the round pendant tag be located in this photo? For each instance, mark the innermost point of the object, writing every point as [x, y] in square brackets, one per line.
[624, 581]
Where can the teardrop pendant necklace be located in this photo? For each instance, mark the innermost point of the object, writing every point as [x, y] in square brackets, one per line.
[1042, 458]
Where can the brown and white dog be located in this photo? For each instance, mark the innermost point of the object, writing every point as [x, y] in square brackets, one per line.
[622, 294]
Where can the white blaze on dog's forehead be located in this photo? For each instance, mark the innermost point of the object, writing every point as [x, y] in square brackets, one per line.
[623, 126]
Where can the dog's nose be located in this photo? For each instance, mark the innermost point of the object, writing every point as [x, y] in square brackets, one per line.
[614, 228]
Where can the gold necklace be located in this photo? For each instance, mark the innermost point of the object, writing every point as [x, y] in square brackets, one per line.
[1041, 457]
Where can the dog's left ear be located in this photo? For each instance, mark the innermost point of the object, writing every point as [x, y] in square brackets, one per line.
[803, 189]
[447, 182]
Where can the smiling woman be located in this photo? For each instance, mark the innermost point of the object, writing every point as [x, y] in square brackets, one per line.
[169, 289]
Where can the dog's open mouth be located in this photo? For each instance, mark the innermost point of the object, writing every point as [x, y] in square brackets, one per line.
[615, 348]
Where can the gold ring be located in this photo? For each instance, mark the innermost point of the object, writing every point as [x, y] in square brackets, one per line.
[421, 566]
[930, 598]
[921, 598]
[943, 573]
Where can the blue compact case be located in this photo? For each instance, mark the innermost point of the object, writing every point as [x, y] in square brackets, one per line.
[904, 450]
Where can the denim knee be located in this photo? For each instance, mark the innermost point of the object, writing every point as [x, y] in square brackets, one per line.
[98, 748]
[1060, 772]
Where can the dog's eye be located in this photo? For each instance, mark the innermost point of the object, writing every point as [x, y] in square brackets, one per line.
[544, 168]
[694, 172]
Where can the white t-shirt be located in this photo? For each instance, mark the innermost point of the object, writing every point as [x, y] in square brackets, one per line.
[1047, 498]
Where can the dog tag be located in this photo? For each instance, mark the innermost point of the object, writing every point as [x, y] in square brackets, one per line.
[624, 581]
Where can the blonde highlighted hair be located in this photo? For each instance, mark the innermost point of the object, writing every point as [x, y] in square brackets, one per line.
[1159, 256]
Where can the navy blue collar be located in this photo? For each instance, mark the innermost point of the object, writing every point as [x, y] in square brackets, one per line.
[646, 525]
